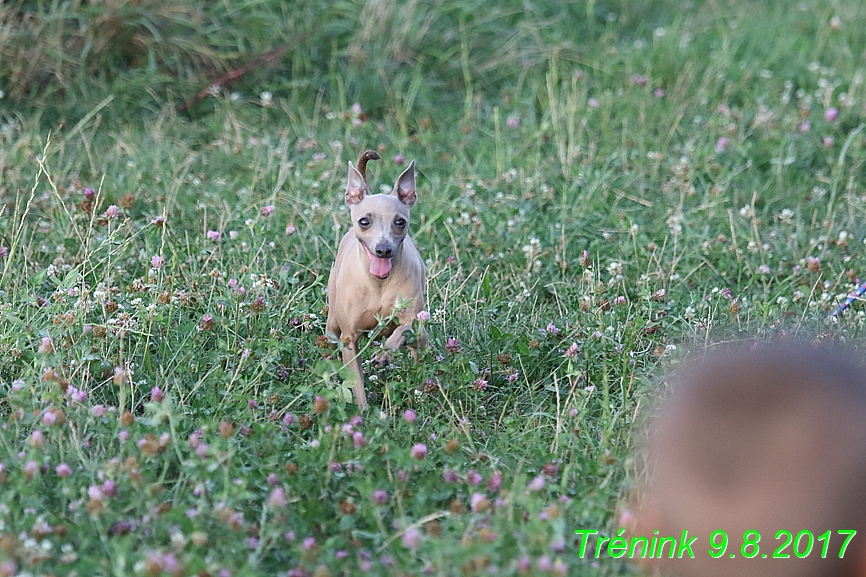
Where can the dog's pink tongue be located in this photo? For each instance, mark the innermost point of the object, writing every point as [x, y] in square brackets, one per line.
[379, 266]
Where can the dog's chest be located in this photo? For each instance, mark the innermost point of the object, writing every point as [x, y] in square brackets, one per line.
[380, 303]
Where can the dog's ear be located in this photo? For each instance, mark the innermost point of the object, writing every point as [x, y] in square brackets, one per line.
[404, 189]
[356, 186]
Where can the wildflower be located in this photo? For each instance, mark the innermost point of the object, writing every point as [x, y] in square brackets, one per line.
[638, 79]
[4, 251]
[828, 142]
[524, 564]
[336, 467]
[423, 316]
[479, 503]
[358, 440]
[764, 269]
[37, 439]
[402, 475]
[805, 126]
[659, 92]
[721, 144]
[95, 493]
[109, 488]
[494, 482]
[512, 122]
[585, 261]
[277, 498]
[266, 210]
[289, 419]
[309, 543]
[552, 330]
[357, 109]
[320, 405]
[409, 416]
[560, 568]
[156, 395]
[557, 546]
[227, 431]
[266, 97]
[835, 23]
[380, 496]
[157, 261]
[119, 377]
[170, 564]
[46, 346]
[213, 235]
[831, 114]
[592, 102]
[123, 436]
[544, 563]
[49, 418]
[452, 345]
[291, 229]
[512, 377]
[734, 307]
[480, 385]
[112, 212]
[411, 539]
[419, 451]
[399, 160]
[63, 470]
[627, 519]
[206, 323]
[537, 484]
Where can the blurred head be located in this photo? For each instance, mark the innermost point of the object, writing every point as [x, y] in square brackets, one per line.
[767, 440]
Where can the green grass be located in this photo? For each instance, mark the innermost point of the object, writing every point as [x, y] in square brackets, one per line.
[637, 175]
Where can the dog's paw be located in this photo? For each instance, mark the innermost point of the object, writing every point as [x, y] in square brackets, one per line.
[381, 360]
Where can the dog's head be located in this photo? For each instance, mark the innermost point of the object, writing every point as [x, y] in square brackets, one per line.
[381, 221]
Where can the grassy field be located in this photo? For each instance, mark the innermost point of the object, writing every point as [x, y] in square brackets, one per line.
[603, 187]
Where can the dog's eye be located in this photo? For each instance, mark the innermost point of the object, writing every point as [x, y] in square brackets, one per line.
[400, 223]
[364, 222]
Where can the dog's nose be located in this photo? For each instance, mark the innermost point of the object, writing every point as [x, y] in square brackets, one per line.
[384, 252]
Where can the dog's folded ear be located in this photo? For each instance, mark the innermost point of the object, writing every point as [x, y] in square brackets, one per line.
[356, 186]
[404, 189]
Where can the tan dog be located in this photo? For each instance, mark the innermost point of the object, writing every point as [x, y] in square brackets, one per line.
[377, 265]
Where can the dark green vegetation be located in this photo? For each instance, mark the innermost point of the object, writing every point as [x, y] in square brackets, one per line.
[602, 187]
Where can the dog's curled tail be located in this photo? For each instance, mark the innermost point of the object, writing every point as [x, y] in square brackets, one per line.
[365, 157]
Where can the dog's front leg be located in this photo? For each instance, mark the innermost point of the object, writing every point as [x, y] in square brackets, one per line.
[352, 360]
[396, 340]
